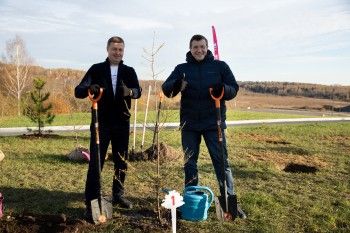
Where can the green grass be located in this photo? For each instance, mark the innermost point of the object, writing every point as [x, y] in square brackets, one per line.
[166, 116]
[37, 176]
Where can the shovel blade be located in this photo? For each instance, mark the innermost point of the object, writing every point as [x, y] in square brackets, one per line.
[100, 214]
[220, 205]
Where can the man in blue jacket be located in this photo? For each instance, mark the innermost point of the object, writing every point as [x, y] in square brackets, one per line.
[197, 109]
[120, 84]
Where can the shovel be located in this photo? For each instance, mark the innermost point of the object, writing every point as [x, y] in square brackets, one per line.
[226, 206]
[101, 208]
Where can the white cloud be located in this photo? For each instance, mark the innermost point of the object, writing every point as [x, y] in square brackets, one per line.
[257, 38]
[130, 23]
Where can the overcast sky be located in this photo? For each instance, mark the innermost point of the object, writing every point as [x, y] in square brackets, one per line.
[261, 40]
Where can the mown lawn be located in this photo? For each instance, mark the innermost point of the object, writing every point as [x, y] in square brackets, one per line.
[37, 176]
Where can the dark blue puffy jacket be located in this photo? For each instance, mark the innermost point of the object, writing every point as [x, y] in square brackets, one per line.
[197, 108]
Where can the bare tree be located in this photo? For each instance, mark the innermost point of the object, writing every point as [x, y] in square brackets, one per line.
[154, 150]
[150, 58]
[16, 65]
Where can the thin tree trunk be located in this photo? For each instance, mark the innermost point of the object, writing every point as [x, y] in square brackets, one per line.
[134, 139]
[145, 119]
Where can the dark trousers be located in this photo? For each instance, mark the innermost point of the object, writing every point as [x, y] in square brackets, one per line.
[191, 141]
[118, 136]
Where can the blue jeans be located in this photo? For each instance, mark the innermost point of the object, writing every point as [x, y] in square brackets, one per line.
[119, 137]
[191, 141]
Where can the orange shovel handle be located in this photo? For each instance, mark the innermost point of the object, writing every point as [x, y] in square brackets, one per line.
[217, 99]
[94, 101]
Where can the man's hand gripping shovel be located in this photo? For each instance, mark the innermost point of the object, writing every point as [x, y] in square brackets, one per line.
[226, 206]
[101, 208]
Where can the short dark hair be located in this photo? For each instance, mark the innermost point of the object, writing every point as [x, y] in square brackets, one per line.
[115, 39]
[197, 38]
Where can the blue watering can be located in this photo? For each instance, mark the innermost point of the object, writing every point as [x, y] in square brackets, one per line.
[196, 203]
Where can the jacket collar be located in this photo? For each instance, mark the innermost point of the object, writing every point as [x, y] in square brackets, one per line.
[109, 64]
[208, 57]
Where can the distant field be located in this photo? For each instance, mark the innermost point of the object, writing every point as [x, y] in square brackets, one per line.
[267, 101]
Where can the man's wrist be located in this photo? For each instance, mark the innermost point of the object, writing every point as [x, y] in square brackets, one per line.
[130, 92]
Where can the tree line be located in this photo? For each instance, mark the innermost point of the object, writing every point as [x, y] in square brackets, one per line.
[334, 92]
[17, 75]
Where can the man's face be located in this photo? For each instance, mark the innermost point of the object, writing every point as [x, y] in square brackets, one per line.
[115, 53]
[199, 49]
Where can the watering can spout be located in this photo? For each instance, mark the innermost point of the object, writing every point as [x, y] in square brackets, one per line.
[197, 203]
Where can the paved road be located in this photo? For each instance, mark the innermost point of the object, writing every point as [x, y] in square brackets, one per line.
[85, 128]
[303, 112]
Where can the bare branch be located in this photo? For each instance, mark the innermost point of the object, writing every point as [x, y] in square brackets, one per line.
[16, 67]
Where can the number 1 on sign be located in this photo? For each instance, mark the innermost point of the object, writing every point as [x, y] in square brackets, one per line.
[173, 198]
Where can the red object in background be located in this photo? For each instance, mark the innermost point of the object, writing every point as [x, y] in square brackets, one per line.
[216, 48]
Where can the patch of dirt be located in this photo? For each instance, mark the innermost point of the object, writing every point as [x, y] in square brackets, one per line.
[31, 223]
[143, 219]
[281, 160]
[166, 154]
[284, 161]
[300, 168]
[266, 138]
[38, 136]
[336, 139]
[282, 142]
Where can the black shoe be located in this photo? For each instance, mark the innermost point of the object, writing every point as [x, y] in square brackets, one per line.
[122, 202]
[88, 214]
[240, 212]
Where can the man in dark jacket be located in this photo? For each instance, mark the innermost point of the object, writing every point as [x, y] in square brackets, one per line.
[197, 109]
[120, 84]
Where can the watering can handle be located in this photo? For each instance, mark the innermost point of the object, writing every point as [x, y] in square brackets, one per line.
[211, 198]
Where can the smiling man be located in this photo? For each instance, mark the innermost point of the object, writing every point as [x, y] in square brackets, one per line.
[197, 109]
[120, 84]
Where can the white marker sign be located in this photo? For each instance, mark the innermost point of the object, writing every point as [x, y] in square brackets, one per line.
[171, 201]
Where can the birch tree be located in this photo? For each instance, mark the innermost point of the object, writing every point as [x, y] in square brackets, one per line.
[16, 65]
